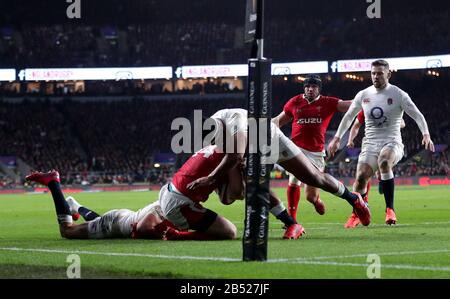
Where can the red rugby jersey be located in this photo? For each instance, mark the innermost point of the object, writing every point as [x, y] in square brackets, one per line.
[200, 164]
[310, 120]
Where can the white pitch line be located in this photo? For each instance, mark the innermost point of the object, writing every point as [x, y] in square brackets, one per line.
[305, 224]
[392, 266]
[161, 256]
[361, 255]
[306, 261]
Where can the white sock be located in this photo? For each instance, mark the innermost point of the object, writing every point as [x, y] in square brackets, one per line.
[387, 176]
[73, 204]
[341, 188]
[64, 219]
[275, 211]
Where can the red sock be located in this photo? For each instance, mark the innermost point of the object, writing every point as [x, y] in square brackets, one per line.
[173, 234]
[293, 197]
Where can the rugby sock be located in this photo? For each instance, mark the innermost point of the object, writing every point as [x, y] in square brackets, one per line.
[349, 197]
[345, 194]
[287, 219]
[293, 197]
[380, 188]
[87, 214]
[388, 188]
[61, 206]
[281, 213]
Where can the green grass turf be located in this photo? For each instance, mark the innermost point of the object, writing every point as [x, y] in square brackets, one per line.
[418, 247]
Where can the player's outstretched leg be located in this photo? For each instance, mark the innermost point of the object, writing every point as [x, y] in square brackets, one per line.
[77, 209]
[307, 173]
[51, 180]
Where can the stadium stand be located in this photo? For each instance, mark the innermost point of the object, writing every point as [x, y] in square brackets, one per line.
[168, 43]
[109, 132]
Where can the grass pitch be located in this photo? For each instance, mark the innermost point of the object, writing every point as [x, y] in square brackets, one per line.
[418, 247]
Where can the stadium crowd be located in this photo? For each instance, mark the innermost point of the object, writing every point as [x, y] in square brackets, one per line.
[117, 139]
[114, 140]
[168, 43]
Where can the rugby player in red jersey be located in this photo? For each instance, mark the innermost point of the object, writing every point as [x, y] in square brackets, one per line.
[310, 114]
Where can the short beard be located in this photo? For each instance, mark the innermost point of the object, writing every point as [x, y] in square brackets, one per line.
[309, 99]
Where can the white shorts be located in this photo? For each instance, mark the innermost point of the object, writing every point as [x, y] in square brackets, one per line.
[182, 211]
[111, 225]
[370, 151]
[316, 159]
[286, 148]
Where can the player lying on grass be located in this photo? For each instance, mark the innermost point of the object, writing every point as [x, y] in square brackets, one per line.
[149, 222]
[145, 223]
[234, 124]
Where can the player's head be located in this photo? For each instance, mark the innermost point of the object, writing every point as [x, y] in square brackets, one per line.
[380, 73]
[312, 86]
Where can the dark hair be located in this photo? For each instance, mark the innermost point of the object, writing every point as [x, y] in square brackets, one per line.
[313, 80]
[381, 62]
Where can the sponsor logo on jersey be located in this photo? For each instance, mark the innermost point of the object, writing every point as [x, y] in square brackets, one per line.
[389, 101]
[377, 114]
[366, 101]
[309, 120]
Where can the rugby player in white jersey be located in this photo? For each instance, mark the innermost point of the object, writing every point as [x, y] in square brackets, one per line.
[146, 223]
[383, 105]
[288, 155]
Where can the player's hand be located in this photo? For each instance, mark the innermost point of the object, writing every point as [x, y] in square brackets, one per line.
[201, 182]
[333, 146]
[350, 144]
[427, 142]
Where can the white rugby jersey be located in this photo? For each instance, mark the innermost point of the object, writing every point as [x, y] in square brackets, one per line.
[383, 111]
[234, 119]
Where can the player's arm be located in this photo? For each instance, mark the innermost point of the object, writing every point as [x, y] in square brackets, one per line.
[230, 160]
[412, 110]
[343, 106]
[346, 121]
[353, 133]
[282, 119]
